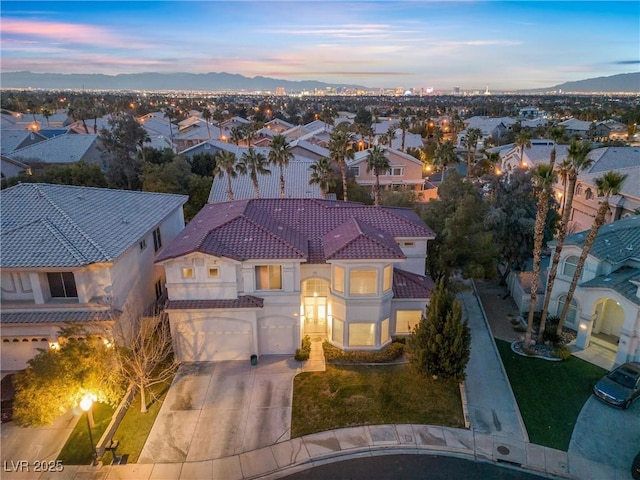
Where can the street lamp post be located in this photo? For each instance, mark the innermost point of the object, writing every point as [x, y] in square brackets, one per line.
[85, 405]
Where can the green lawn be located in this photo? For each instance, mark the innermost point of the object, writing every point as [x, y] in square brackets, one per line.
[550, 394]
[369, 395]
[134, 429]
[77, 450]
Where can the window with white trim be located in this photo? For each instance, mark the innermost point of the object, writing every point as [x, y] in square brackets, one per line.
[188, 272]
[362, 334]
[143, 244]
[354, 171]
[338, 279]
[157, 239]
[396, 171]
[337, 331]
[570, 265]
[62, 284]
[268, 277]
[572, 312]
[214, 272]
[387, 278]
[363, 282]
[384, 331]
[406, 320]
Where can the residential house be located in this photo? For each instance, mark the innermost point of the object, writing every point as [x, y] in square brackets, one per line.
[539, 152]
[15, 139]
[12, 168]
[61, 150]
[80, 255]
[624, 160]
[253, 277]
[576, 128]
[610, 130]
[605, 308]
[496, 127]
[405, 172]
[278, 125]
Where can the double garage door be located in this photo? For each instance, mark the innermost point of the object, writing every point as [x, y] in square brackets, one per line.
[212, 340]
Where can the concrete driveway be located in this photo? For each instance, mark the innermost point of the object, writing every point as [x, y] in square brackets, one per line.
[215, 410]
[607, 435]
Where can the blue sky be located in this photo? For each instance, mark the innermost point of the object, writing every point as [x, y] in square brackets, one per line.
[420, 44]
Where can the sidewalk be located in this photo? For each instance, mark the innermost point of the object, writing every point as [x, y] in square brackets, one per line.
[491, 404]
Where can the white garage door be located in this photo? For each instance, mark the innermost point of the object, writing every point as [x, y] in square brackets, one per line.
[215, 340]
[277, 340]
[17, 351]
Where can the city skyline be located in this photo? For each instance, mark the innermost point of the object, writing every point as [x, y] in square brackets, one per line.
[502, 44]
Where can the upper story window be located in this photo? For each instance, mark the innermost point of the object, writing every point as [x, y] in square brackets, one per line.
[570, 265]
[363, 282]
[355, 171]
[62, 285]
[387, 278]
[396, 171]
[338, 279]
[268, 277]
[588, 194]
[157, 239]
[214, 272]
[143, 244]
[579, 190]
[188, 272]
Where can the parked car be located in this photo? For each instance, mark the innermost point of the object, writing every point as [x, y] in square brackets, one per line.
[635, 468]
[621, 386]
[7, 392]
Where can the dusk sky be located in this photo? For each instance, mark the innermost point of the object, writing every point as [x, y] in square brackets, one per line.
[421, 44]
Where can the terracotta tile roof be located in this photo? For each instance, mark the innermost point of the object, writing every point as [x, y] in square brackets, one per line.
[357, 239]
[293, 228]
[411, 285]
[54, 317]
[243, 301]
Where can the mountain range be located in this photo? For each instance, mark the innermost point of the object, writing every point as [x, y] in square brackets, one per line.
[625, 82]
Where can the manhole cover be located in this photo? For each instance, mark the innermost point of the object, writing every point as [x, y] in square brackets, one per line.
[502, 450]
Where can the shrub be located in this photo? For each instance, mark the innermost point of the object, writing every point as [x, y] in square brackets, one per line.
[562, 352]
[520, 328]
[388, 354]
[303, 353]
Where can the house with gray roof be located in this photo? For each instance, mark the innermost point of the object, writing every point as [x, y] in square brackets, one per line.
[253, 277]
[605, 308]
[78, 254]
[574, 127]
[60, 150]
[15, 139]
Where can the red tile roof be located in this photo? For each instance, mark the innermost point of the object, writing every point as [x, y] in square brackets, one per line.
[295, 228]
[411, 285]
[243, 301]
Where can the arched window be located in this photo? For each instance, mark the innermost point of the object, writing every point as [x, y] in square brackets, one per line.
[588, 194]
[579, 190]
[570, 265]
[572, 313]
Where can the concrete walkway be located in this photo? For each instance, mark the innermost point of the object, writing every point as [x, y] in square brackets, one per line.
[492, 407]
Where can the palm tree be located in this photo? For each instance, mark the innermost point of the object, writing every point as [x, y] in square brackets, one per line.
[47, 112]
[609, 184]
[341, 148]
[280, 155]
[563, 169]
[544, 177]
[327, 115]
[471, 142]
[378, 164]
[226, 165]
[169, 114]
[236, 135]
[323, 175]
[206, 116]
[523, 141]
[578, 160]
[391, 134]
[254, 163]
[404, 125]
[445, 156]
[555, 134]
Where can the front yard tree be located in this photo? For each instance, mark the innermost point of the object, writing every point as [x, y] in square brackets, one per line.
[146, 357]
[56, 380]
[441, 342]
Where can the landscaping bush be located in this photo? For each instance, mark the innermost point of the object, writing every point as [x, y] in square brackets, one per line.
[562, 352]
[303, 353]
[388, 354]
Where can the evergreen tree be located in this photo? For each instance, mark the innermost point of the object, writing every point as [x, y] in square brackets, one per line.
[441, 342]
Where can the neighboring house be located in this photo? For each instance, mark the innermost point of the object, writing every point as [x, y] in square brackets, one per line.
[253, 277]
[539, 152]
[490, 127]
[606, 304]
[15, 139]
[61, 150]
[12, 168]
[624, 160]
[405, 172]
[80, 255]
[278, 125]
[611, 130]
[574, 127]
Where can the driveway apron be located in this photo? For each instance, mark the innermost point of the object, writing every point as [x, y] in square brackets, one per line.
[215, 410]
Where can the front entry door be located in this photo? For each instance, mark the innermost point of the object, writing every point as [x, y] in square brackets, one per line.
[315, 313]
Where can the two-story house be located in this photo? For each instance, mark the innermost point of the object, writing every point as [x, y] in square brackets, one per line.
[606, 304]
[80, 255]
[253, 277]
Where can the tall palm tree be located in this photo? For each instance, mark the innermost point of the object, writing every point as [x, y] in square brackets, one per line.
[555, 134]
[445, 156]
[206, 116]
[253, 163]
[609, 184]
[578, 161]
[341, 148]
[391, 134]
[563, 169]
[471, 143]
[226, 165]
[404, 125]
[544, 177]
[523, 140]
[378, 164]
[47, 112]
[170, 114]
[323, 175]
[280, 155]
[236, 135]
